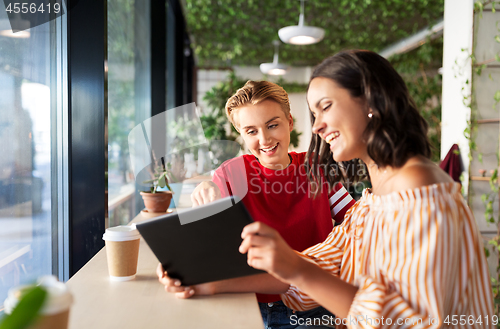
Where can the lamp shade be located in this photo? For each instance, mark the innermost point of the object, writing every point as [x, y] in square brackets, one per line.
[273, 68]
[301, 35]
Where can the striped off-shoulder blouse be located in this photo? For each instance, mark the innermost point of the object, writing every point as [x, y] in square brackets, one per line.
[417, 258]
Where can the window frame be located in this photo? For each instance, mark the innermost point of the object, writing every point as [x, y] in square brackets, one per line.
[87, 55]
[81, 201]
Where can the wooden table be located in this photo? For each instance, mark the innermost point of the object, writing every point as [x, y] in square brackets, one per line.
[143, 303]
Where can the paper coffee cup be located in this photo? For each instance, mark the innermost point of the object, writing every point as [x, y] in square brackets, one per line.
[122, 251]
[55, 310]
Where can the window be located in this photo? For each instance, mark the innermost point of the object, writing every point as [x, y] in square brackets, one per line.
[29, 108]
[129, 99]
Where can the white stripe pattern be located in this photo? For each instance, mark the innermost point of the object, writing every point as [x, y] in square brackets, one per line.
[338, 195]
[341, 204]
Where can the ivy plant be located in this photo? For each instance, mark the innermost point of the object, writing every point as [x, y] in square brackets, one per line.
[470, 133]
[240, 32]
[419, 69]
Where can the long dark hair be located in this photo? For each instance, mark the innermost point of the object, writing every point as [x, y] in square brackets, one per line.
[395, 132]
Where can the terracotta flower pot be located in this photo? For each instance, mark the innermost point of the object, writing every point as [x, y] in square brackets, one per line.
[157, 202]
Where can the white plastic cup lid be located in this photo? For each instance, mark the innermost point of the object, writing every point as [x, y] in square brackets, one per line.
[121, 233]
[58, 299]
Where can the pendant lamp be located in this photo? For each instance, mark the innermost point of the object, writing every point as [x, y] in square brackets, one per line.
[301, 34]
[274, 68]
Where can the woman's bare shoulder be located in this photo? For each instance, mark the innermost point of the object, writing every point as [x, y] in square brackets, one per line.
[417, 173]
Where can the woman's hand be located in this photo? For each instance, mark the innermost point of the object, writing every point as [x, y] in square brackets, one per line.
[174, 285]
[205, 192]
[266, 250]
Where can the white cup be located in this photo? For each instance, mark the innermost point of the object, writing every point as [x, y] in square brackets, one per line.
[122, 251]
[55, 310]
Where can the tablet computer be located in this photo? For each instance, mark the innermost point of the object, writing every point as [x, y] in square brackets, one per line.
[204, 248]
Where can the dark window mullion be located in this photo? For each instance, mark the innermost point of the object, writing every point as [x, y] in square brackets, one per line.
[87, 105]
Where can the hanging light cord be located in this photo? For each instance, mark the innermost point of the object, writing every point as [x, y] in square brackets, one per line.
[276, 44]
[301, 16]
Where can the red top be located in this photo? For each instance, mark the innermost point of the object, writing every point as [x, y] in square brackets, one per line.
[280, 199]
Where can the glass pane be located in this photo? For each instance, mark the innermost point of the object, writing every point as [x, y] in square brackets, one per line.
[25, 156]
[128, 99]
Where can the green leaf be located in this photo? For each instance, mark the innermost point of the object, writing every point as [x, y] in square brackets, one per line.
[480, 69]
[497, 38]
[478, 6]
[494, 176]
[26, 310]
[161, 181]
[496, 97]
[486, 252]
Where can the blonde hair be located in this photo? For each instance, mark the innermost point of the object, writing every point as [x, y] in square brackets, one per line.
[255, 92]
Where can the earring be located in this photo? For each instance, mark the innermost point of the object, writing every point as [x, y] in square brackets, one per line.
[370, 115]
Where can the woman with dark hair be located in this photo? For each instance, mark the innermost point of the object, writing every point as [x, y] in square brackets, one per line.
[408, 253]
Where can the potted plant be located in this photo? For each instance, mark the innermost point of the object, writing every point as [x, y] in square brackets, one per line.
[157, 201]
[156, 198]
